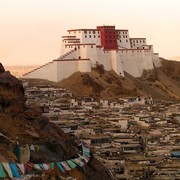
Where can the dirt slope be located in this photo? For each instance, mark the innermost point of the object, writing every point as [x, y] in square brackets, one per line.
[160, 83]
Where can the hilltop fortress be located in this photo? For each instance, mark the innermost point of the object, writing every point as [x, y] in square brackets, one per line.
[83, 49]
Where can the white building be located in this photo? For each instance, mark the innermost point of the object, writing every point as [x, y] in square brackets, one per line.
[82, 49]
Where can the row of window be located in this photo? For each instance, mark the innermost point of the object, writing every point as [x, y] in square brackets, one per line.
[107, 51]
[109, 32]
[121, 41]
[92, 36]
[111, 41]
[123, 36]
[85, 32]
[110, 36]
[138, 41]
[77, 46]
[123, 32]
[93, 32]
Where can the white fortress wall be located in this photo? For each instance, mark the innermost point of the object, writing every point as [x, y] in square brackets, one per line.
[66, 68]
[143, 60]
[129, 63]
[148, 58]
[72, 54]
[104, 58]
[67, 48]
[47, 71]
[156, 60]
[137, 58]
[91, 53]
[116, 63]
[63, 49]
[84, 65]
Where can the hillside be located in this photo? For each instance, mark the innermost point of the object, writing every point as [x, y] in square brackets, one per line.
[160, 83]
[22, 126]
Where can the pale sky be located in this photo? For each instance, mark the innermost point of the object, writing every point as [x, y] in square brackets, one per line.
[31, 30]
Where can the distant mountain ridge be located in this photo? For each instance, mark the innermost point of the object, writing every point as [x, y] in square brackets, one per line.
[18, 70]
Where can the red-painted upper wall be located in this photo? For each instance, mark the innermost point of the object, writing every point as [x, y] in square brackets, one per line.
[108, 37]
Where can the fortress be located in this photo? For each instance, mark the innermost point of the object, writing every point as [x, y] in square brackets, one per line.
[83, 49]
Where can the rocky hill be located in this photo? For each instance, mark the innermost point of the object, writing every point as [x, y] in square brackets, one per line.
[160, 83]
[23, 126]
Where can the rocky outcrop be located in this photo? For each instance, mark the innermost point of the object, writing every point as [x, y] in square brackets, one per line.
[27, 126]
[11, 92]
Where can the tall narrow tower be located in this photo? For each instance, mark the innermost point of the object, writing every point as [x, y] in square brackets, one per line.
[108, 37]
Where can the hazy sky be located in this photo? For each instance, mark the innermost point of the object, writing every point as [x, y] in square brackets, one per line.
[31, 30]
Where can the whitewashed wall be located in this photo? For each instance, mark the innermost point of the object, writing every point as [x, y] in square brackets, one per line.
[156, 60]
[104, 58]
[48, 71]
[66, 68]
[129, 64]
[84, 66]
[116, 63]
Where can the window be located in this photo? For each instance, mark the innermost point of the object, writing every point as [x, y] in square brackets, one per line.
[91, 46]
[126, 36]
[89, 36]
[85, 32]
[120, 41]
[134, 44]
[94, 32]
[123, 36]
[110, 41]
[89, 32]
[126, 40]
[143, 41]
[98, 36]
[137, 41]
[110, 36]
[79, 31]
[85, 36]
[94, 36]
